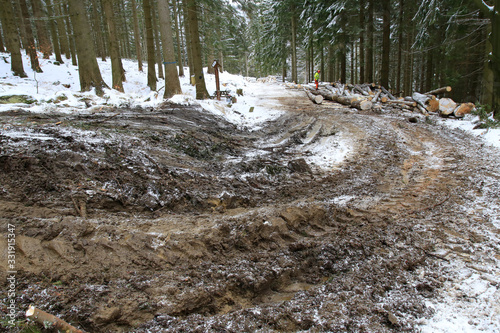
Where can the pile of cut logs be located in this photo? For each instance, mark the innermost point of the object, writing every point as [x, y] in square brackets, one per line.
[372, 96]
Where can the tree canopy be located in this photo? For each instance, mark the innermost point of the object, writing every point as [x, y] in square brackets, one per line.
[404, 45]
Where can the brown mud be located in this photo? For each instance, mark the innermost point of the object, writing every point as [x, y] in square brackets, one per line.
[173, 220]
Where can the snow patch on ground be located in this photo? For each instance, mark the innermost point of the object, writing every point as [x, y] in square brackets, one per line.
[489, 136]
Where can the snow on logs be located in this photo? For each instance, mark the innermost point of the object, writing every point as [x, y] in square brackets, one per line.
[365, 96]
[355, 101]
[317, 99]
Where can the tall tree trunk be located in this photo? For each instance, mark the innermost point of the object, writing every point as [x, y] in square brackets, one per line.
[188, 40]
[172, 84]
[125, 35]
[137, 37]
[493, 13]
[158, 47]
[408, 64]
[11, 38]
[362, 69]
[331, 75]
[400, 46]
[495, 57]
[178, 38]
[352, 63]
[150, 43]
[88, 69]
[322, 57]
[429, 71]
[386, 43]
[369, 46]
[71, 37]
[98, 31]
[31, 47]
[311, 56]
[2, 46]
[19, 21]
[192, 12]
[53, 31]
[41, 29]
[488, 79]
[63, 35]
[294, 44]
[183, 35]
[209, 42]
[114, 51]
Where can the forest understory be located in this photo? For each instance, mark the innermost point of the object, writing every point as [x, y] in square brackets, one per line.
[174, 220]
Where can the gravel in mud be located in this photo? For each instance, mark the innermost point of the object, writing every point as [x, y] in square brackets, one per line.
[173, 220]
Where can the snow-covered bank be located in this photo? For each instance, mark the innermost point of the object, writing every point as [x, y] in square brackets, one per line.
[57, 90]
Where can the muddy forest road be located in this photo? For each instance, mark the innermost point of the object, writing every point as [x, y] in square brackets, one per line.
[173, 220]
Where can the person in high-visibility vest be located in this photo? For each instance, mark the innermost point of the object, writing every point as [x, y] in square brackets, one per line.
[316, 78]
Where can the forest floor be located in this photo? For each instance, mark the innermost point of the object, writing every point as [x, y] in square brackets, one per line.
[172, 219]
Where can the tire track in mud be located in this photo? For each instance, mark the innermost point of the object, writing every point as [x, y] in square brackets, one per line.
[356, 244]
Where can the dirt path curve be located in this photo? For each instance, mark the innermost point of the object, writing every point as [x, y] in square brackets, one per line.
[325, 219]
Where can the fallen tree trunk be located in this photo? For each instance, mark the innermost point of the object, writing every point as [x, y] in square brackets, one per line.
[385, 91]
[362, 104]
[421, 99]
[439, 91]
[463, 109]
[359, 89]
[376, 96]
[318, 99]
[50, 321]
[402, 102]
[446, 106]
[354, 101]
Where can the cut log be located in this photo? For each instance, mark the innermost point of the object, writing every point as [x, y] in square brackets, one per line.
[422, 109]
[358, 102]
[463, 109]
[421, 99]
[439, 91]
[402, 102]
[385, 91]
[50, 321]
[358, 88]
[384, 99]
[318, 99]
[432, 105]
[362, 104]
[446, 106]
[376, 96]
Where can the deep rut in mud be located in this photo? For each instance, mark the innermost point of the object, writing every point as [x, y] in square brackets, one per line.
[174, 220]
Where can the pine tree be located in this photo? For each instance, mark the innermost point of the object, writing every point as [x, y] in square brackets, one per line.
[12, 38]
[114, 51]
[88, 69]
[172, 84]
[192, 17]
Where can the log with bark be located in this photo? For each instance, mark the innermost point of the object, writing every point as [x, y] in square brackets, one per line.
[376, 96]
[446, 106]
[358, 102]
[421, 99]
[439, 91]
[387, 93]
[318, 99]
[433, 105]
[50, 321]
[463, 109]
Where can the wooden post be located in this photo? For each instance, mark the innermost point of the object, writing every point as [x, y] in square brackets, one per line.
[216, 67]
